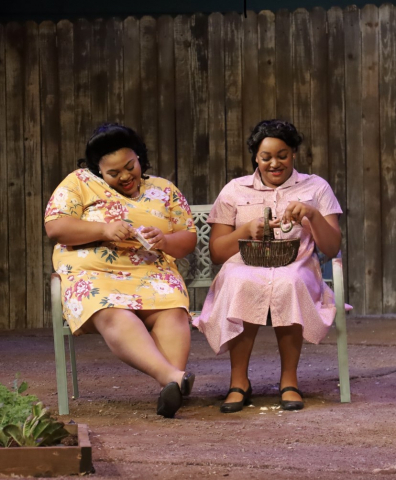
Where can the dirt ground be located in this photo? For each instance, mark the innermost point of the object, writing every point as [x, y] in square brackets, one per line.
[326, 440]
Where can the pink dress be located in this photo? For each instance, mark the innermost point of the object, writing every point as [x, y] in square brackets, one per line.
[295, 293]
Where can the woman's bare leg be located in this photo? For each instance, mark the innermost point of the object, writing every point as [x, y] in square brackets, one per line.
[170, 331]
[128, 338]
[290, 341]
[240, 351]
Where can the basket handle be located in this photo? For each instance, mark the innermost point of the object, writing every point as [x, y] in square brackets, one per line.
[268, 232]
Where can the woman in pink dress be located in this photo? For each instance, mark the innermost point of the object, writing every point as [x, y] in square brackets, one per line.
[294, 298]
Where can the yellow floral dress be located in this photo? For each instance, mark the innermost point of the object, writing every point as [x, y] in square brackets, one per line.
[118, 274]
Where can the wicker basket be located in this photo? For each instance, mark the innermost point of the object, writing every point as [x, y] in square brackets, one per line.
[269, 252]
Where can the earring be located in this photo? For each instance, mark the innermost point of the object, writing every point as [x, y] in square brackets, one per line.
[100, 173]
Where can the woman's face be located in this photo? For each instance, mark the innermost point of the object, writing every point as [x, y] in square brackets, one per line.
[121, 170]
[275, 161]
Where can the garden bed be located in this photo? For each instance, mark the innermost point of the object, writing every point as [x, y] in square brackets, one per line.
[49, 461]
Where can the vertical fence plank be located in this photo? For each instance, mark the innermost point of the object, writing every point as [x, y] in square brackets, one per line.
[284, 65]
[132, 107]
[33, 189]
[64, 31]
[371, 157]
[166, 101]
[318, 107]
[387, 25]
[4, 266]
[250, 91]
[184, 118]
[354, 156]
[15, 35]
[115, 68]
[266, 64]
[99, 75]
[302, 63]
[200, 138]
[235, 145]
[336, 102]
[199, 84]
[217, 153]
[149, 88]
[50, 135]
[184, 126]
[82, 84]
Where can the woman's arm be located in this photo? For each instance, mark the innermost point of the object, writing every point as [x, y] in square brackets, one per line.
[223, 242]
[177, 244]
[325, 230]
[73, 231]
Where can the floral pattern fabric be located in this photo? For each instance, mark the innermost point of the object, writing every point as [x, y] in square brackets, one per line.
[118, 274]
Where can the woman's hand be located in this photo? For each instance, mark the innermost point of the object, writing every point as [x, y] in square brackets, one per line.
[256, 227]
[117, 231]
[296, 211]
[155, 237]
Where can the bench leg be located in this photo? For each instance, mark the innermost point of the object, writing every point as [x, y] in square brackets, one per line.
[59, 345]
[73, 365]
[342, 346]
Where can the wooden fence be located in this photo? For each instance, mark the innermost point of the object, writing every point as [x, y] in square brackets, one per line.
[194, 86]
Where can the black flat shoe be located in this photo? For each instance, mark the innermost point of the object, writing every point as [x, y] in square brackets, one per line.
[187, 383]
[170, 400]
[291, 404]
[237, 406]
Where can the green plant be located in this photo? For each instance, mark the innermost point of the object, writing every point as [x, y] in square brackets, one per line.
[39, 429]
[15, 407]
[25, 420]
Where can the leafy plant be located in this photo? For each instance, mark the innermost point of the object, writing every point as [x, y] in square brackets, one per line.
[25, 420]
[39, 429]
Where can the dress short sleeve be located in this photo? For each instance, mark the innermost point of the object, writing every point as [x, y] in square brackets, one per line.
[327, 201]
[66, 201]
[224, 210]
[180, 212]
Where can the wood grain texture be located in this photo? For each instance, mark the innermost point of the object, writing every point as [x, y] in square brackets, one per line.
[132, 95]
[336, 102]
[149, 88]
[235, 142]
[354, 158]
[371, 158]
[250, 82]
[33, 187]
[15, 57]
[115, 70]
[166, 100]
[387, 69]
[65, 35]
[266, 64]
[302, 62]
[216, 116]
[284, 65]
[318, 106]
[83, 32]
[50, 140]
[4, 236]
[183, 104]
[199, 94]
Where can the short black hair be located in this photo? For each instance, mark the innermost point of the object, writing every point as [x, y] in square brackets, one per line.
[275, 129]
[108, 138]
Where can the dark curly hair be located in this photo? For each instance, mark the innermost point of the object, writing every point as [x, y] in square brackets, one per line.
[108, 138]
[275, 129]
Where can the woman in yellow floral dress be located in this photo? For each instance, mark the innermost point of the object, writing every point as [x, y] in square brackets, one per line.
[132, 294]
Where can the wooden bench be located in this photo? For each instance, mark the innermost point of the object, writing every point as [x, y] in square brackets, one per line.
[198, 271]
